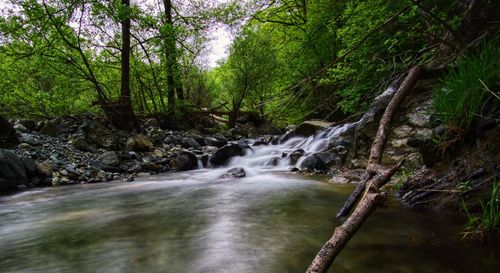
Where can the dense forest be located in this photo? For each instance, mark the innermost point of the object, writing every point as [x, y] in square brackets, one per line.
[289, 61]
[374, 92]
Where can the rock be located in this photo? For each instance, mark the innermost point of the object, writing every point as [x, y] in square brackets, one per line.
[81, 144]
[45, 168]
[310, 127]
[418, 119]
[29, 139]
[20, 128]
[56, 181]
[12, 171]
[184, 161]
[313, 162]
[402, 131]
[295, 155]
[424, 133]
[263, 140]
[8, 134]
[209, 149]
[189, 142]
[138, 143]
[28, 124]
[222, 155]
[49, 129]
[234, 173]
[338, 179]
[103, 137]
[29, 166]
[291, 127]
[217, 142]
[109, 158]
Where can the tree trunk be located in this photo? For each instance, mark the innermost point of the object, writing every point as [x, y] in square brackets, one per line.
[375, 177]
[173, 81]
[121, 114]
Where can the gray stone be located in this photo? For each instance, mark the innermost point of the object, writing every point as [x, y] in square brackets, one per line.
[81, 144]
[295, 155]
[49, 129]
[310, 127]
[313, 162]
[45, 168]
[138, 143]
[109, 158]
[184, 161]
[234, 173]
[12, 170]
[222, 155]
[29, 139]
[418, 119]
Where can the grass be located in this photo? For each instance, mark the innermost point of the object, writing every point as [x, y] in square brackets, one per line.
[485, 225]
[461, 93]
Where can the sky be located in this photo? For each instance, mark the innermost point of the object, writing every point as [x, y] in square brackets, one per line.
[218, 47]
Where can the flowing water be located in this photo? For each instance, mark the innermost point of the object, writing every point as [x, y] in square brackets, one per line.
[193, 221]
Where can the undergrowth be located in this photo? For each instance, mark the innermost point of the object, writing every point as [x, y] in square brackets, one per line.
[486, 224]
[460, 95]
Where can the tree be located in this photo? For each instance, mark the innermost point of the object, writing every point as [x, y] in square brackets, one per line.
[249, 69]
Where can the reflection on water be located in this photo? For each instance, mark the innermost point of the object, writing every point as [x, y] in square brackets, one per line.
[192, 222]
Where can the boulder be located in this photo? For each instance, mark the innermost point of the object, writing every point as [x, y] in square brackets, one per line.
[183, 161]
[29, 166]
[310, 127]
[109, 158]
[222, 155]
[189, 142]
[29, 139]
[216, 141]
[314, 162]
[12, 171]
[81, 144]
[234, 173]
[45, 168]
[8, 134]
[49, 128]
[295, 155]
[138, 143]
[102, 136]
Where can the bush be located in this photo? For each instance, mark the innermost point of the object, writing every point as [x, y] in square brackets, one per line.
[460, 95]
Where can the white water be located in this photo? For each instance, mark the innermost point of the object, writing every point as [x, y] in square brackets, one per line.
[277, 157]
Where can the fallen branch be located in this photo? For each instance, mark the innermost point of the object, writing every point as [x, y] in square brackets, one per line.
[375, 177]
[374, 166]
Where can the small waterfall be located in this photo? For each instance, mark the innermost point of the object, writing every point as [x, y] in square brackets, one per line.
[279, 156]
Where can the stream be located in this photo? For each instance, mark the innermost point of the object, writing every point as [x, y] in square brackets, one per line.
[268, 221]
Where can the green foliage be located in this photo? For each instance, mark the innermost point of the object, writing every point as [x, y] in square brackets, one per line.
[486, 224]
[460, 95]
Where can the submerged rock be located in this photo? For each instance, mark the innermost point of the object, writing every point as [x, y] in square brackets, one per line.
[234, 173]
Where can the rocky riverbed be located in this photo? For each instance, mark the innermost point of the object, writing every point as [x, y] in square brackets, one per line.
[84, 149]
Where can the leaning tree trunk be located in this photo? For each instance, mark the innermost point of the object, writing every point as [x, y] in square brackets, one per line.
[375, 177]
